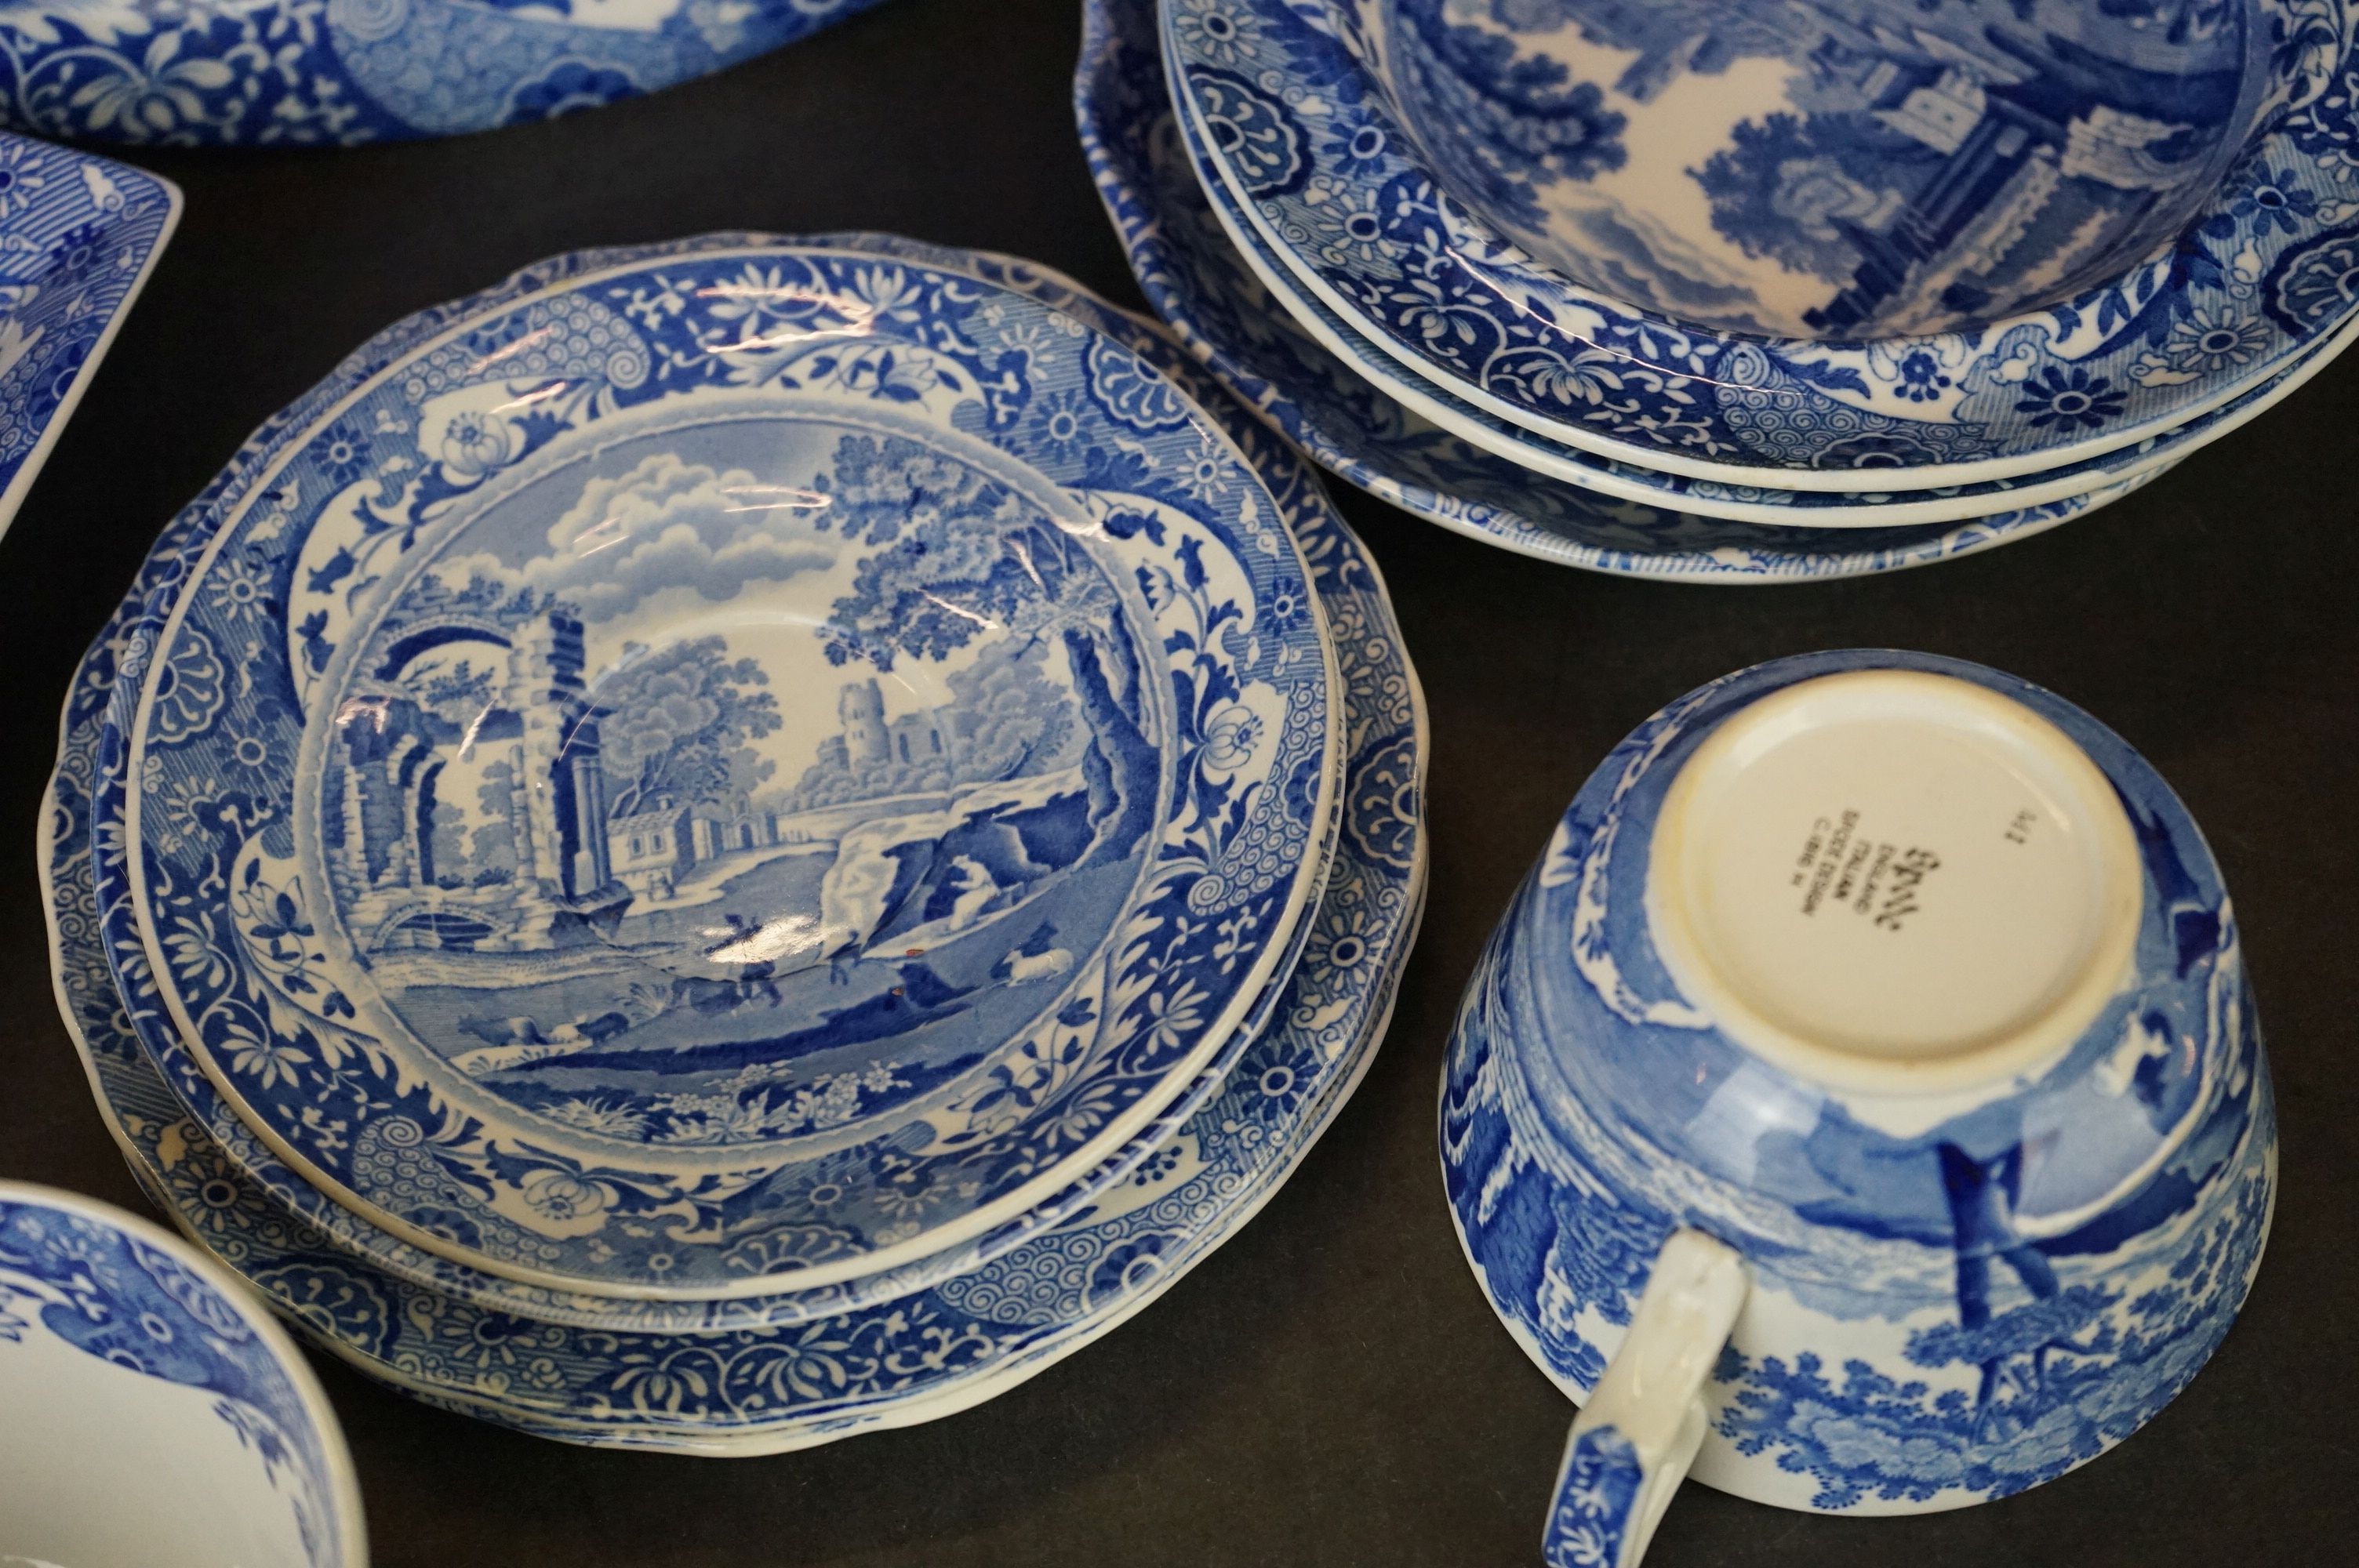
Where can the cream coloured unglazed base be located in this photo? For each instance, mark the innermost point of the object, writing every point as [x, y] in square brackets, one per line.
[1894, 881]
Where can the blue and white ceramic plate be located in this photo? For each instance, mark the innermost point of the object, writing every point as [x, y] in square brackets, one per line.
[850, 1003]
[1196, 279]
[341, 72]
[1985, 1363]
[1012, 1316]
[154, 1412]
[98, 1004]
[1328, 177]
[78, 235]
[1783, 508]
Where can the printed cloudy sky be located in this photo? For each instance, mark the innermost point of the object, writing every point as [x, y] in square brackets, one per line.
[667, 523]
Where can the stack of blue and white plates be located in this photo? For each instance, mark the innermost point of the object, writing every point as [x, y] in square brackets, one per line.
[731, 842]
[1740, 291]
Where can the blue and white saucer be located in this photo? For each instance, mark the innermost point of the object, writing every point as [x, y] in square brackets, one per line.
[1705, 498]
[234, 73]
[842, 976]
[78, 236]
[1333, 183]
[1217, 305]
[1008, 1319]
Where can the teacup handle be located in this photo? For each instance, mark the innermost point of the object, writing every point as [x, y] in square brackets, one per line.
[1635, 1439]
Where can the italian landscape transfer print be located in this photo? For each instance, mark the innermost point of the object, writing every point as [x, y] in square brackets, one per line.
[1203, 288]
[1831, 169]
[77, 237]
[1011, 1317]
[2026, 1282]
[2269, 266]
[346, 71]
[658, 931]
[72, 1279]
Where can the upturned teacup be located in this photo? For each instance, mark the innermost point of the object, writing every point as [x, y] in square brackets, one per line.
[1861, 1104]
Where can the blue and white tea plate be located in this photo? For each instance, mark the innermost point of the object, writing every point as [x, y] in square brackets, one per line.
[1009, 1318]
[812, 1013]
[230, 72]
[1220, 307]
[1784, 508]
[78, 236]
[155, 1414]
[100, 1004]
[1331, 181]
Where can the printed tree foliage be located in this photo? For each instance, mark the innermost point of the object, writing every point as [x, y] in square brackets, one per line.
[1791, 188]
[956, 556]
[675, 723]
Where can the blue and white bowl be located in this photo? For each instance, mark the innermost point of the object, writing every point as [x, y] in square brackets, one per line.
[1323, 393]
[1848, 170]
[348, 71]
[154, 1412]
[1303, 135]
[1915, 989]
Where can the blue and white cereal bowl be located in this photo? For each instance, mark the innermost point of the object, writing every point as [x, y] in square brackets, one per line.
[1898, 1007]
[154, 1413]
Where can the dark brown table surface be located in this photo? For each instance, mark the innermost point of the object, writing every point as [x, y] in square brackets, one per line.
[1331, 1387]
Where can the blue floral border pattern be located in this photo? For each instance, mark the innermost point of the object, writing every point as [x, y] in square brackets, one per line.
[115, 1295]
[2263, 275]
[342, 72]
[1196, 280]
[671, 327]
[1976, 1362]
[1011, 1318]
[78, 235]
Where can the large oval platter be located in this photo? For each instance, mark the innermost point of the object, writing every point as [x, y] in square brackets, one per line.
[756, 763]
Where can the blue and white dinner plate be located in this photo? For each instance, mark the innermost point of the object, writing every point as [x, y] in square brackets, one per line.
[1009, 1318]
[1704, 498]
[99, 1005]
[1219, 308]
[1331, 183]
[348, 71]
[78, 236]
[782, 1018]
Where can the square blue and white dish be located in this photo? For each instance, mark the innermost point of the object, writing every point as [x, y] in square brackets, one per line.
[77, 237]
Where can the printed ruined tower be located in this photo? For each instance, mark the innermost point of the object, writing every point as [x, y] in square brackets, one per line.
[867, 741]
